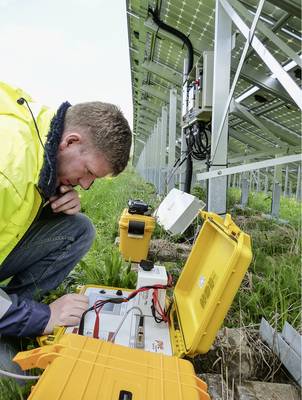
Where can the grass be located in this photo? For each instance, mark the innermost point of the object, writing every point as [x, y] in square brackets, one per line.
[260, 203]
[9, 388]
[271, 287]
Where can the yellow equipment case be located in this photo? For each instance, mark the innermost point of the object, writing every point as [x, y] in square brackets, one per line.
[135, 235]
[202, 296]
[79, 367]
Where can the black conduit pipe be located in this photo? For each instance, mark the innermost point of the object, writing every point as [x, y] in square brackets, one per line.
[185, 39]
[177, 33]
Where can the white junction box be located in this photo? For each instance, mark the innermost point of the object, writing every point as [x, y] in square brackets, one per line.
[156, 276]
[177, 211]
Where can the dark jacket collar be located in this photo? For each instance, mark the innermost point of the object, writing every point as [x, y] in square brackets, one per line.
[48, 174]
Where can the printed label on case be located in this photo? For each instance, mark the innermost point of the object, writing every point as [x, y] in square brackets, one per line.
[135, 236]
[208, 289]
[201, 281]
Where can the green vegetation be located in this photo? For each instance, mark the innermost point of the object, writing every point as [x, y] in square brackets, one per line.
[271, 287]
[9, 388]
[113, 271]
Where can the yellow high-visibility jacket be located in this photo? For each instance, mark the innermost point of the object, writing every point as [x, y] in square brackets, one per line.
[21, 160]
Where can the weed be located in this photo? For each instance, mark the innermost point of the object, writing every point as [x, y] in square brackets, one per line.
[113, 271]
[9, 387]
[10, 390]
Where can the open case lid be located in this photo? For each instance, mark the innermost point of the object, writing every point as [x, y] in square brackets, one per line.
[209, 281]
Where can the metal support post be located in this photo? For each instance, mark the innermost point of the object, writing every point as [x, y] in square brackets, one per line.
[163, 146]
[234, 180]
[172, 134]
[244, 189]
[182, 175]
[277, 190]
[266, 181]
[298, 190]
[148, 157]
[158, 152]
[285, 193]
[258, 181]
[217, 189]
[245, 186]
[142, 163]
[251, 181]
[153, 156]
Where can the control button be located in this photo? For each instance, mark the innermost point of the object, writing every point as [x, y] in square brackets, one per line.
[119, 292]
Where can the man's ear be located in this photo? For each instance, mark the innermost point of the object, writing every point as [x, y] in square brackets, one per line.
[69, 139]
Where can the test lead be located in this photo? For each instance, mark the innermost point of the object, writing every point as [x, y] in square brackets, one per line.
[140, 333]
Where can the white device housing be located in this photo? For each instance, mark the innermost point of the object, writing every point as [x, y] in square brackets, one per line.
[156, 276]
[177, 211]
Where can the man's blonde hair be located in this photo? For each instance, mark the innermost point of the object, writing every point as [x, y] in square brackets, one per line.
[107, 129]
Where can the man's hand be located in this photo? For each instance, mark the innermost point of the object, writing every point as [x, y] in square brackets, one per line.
[67, 310]
[67, 201]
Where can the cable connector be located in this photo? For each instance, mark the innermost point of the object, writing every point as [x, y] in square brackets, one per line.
[117, 300]
[140, 334]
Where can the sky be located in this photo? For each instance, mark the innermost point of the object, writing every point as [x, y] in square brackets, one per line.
[74, 50]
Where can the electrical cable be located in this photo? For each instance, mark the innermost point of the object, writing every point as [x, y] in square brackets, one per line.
[123, 320]
[16, 376]
[163, 315]
[197, 139]
[190, 58]
[98, 305]
[116, 300]
[178, 34]
[168, 175]
[21, 101]
[161, 200]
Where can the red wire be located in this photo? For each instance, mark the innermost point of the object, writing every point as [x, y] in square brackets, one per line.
[161, 313]
[97, 319]
[133, 294]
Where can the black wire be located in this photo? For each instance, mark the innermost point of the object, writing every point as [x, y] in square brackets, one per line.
[21, 101]
[177, 33]
[194, 139]
[115, 300]
[157, 319]
[82, 321]
[169, 175]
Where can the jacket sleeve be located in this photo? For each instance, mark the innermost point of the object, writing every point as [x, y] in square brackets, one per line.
[22, 318]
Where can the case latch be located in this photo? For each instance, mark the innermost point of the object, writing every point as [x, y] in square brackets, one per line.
[179, 344]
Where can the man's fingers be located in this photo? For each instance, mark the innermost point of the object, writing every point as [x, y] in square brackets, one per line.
[67, 310]
[71, 320]
[68, 201]
[69, 207]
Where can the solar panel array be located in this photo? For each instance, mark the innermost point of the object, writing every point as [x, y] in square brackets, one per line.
[157, 65]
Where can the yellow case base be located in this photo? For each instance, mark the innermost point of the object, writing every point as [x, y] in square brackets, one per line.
[79, 367]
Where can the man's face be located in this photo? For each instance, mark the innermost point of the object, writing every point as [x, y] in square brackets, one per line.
[78, 167]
